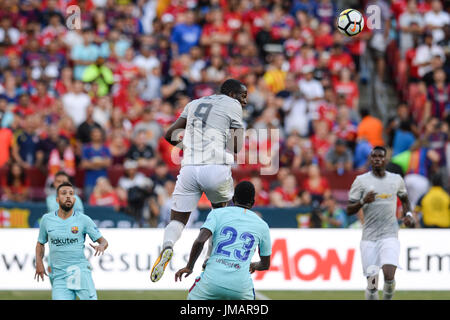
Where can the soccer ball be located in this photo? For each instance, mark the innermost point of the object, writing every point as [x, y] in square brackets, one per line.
[350, 22]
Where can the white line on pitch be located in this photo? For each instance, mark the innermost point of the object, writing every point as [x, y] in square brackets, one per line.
[260, 296]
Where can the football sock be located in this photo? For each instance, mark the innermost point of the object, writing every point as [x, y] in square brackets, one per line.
[172, 233]
[371, 294]
[388, 289]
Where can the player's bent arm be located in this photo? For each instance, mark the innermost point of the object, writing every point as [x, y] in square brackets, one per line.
[102, 241]
[174, 130]
[263, 264]
[408, 217]
[353, 207]
[102, 245]
[406, 205]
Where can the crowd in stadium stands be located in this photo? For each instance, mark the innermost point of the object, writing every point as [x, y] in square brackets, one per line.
[85, 100]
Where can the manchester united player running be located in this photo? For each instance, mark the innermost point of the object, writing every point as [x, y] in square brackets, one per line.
[376, 193]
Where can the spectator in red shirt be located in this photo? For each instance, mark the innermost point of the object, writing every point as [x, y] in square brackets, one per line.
[410, 57]
[262, 197]
[104, 195]
[6, 139]
[216, 31]
[65, 83]
[316, 184]
[344, 128]
[293, 44]
[41, 99]
[24, 106]
[323, 38]
[320, 141]
[327, 109]
[338, 60]
[286, 195]
[347, 87]
[130, 102]
[53, 31]
[234, 15]
[305, 57]
[127, 68]
[16, 184]
[254, 18]
[398, 7]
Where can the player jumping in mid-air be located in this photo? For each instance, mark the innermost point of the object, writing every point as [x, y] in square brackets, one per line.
[376, 193]
[236, 232]
[65, 230]
[211, 124]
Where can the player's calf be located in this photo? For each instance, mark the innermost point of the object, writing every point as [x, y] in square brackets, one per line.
[388, 289]
[389, 281]
[371, 292]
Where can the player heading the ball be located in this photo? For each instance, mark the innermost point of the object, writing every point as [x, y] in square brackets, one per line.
[209, 125]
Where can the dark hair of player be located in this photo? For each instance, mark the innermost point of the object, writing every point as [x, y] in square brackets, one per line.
[380, 148]
[244, 194]
[231, 86]
[64, 184]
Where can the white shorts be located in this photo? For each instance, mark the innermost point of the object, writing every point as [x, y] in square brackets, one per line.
[214, 180]
[378, 253]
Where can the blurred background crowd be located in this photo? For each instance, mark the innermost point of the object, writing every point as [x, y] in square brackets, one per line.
[87, 102]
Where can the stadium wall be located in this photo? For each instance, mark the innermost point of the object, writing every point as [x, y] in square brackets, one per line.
[302, 259]
[28, 215]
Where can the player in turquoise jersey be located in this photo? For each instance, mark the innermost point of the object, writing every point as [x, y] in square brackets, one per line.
[65, 230]
[236, 232]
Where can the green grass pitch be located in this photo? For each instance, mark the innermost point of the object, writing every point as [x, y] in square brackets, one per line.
[273, 295]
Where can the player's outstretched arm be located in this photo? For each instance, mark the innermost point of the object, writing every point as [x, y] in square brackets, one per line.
[40, 269]
[102, 245]
[263, 264]
[197, 248]
[172, 134]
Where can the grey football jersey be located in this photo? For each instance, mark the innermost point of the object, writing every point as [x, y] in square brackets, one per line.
[208, 123]
[380, 219]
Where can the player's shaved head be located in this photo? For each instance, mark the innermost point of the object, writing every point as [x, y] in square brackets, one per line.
[235, 89]
[244, 194]
[232, 86]
[380, 148]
